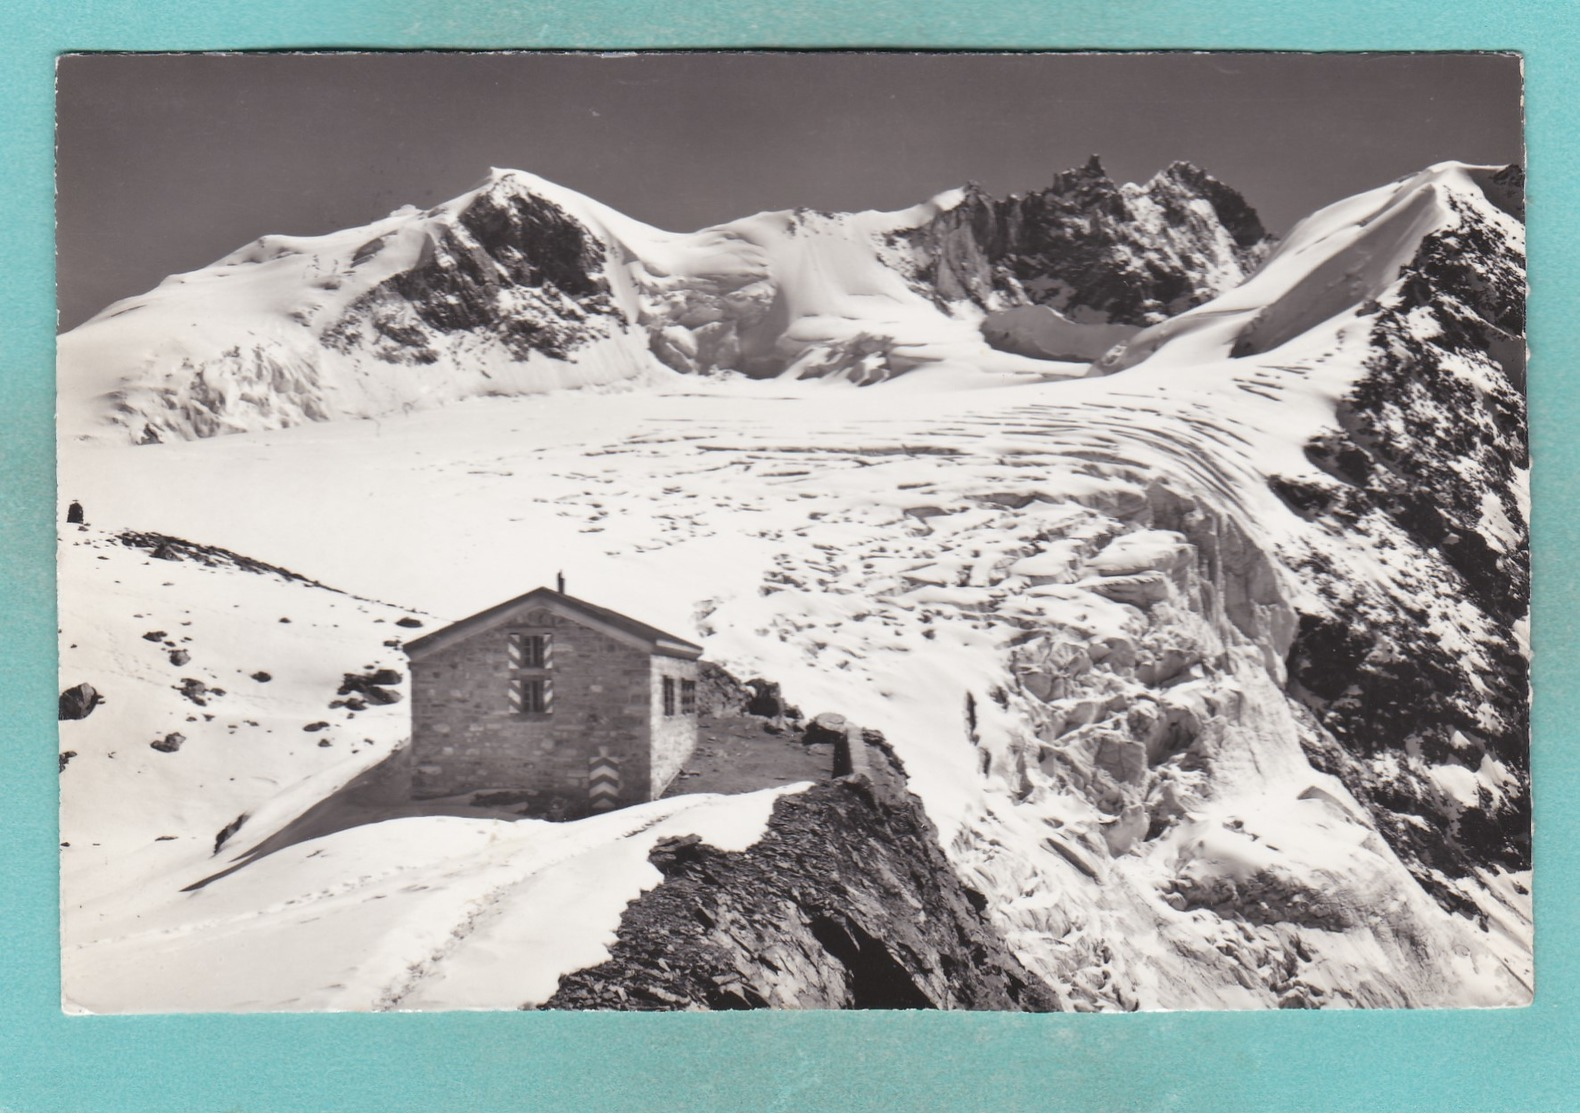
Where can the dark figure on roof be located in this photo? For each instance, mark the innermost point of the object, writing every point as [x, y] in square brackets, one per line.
[74, 513]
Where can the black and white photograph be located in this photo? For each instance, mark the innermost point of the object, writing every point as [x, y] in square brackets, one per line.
[1025, 532]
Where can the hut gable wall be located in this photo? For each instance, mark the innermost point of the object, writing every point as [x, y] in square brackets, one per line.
[467, 735]
[674, 733]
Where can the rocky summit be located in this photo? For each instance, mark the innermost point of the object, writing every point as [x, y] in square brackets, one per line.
[1093, 249]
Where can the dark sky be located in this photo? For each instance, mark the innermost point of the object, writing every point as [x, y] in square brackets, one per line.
[167, 162]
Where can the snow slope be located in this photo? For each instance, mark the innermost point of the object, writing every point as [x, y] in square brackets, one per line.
[1070, 606]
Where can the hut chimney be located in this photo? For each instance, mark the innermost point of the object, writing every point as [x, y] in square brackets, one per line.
[559, 581]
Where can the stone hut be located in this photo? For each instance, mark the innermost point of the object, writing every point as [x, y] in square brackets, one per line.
[577, 708]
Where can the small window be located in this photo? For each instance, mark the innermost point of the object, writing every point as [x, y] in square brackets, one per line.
[688, 696]
[532, 696]
[531, 650]
[669, 696]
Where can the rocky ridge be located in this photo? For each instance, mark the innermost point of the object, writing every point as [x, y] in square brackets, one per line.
[1423, 677]
[846, 902]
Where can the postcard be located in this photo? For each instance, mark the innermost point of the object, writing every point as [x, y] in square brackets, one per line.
[1028, 532]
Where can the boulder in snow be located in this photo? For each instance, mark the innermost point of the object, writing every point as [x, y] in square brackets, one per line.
[78, 702]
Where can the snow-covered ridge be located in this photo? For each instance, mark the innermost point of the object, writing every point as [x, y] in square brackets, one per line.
[521, 286]
[1342, 257]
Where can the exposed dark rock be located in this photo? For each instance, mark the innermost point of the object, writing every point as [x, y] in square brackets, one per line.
[668, 853]
[719, 692]
[170, 549]
[514, 266]
[1506, 190]
[155, 637]
[197, 692]
[766, 701]
[409, 622]
[65, 758]
[262, 676]
[314, 727]
[179, 657]
[79, 701]
[230, 828]
[170, 742]
[847, 902]
[194, 691]
[371, 687]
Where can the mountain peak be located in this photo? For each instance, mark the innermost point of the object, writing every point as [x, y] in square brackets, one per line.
[1082, 183]
[1185, 174]
[1236, 214]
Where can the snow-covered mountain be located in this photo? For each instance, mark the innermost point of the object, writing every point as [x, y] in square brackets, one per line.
[1206, 671]
[522, 286]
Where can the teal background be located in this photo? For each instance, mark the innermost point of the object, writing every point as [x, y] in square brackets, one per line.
[1380, 1060]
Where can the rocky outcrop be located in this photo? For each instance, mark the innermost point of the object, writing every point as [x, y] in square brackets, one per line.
[368, 687]
[170, 549]
[846, 902]
[78, 702]
[1093, 249]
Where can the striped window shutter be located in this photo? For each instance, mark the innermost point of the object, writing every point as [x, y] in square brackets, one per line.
[515, 651]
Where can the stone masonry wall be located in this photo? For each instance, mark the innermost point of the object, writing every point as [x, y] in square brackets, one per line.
[466, 737]
[674, 737]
